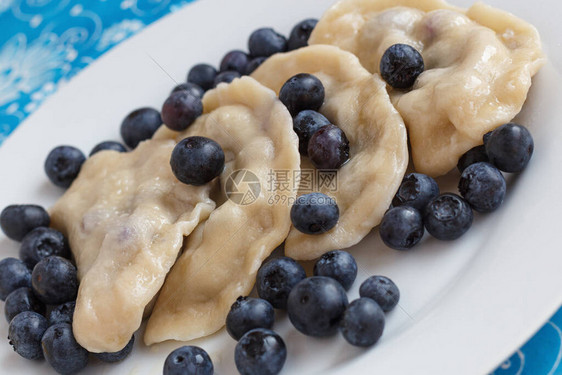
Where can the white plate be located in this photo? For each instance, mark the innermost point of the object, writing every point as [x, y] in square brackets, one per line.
[466, 305]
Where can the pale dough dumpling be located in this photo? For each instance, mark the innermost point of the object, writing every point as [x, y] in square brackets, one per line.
[222, 256]
[125, 216]
[479, 63]
[358, 103]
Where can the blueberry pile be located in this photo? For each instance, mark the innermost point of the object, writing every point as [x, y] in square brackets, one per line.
[482, 187]
[39, 290]
[316, 306]
[325, 144]
[184, 104]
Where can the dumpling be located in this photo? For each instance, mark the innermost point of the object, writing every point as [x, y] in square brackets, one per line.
[222, 256]
[479, 63]
[358, 103]
[125, 216]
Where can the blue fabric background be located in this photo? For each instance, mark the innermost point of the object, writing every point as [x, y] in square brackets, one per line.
[44, 43]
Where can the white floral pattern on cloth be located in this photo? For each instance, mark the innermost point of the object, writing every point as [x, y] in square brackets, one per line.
[26, 68]
[4, 5]
[541, 355]
[45, 43]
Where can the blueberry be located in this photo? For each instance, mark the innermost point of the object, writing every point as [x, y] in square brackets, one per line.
[20, 300]
[197, 160]
[117, 356]
[54, 280]
[382, 290]
[108, 145]
[305, 124]
[328, 148]
[17, 220]
[314, 213]
[474, 155]
[416, 190]
[247, 313]
[486, 137]
[25, 332]
[180, 110]
[276, 278]
[482, 185]
[260, 352]
[203, 75]
[226, 77]
[140, 125]
[235, 60]
[62, 351]
[41, 243]
[401, 65]
[62, 313]
[339, 265]
[510, 147]
[192, 88]
[253, 64]
[302, 91]
[300, 33]
[14, 274]
[363, 322]
[315, 306]
[401, 227]
[63, 165]
[447, 217]
[266, 42]
[188, 360]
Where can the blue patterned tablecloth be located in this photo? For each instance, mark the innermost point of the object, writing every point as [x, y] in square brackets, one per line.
[44, 43]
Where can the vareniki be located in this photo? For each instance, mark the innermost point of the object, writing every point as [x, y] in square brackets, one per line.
[125, 216]
[357, 102]
[222, 256]
[478, 68]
